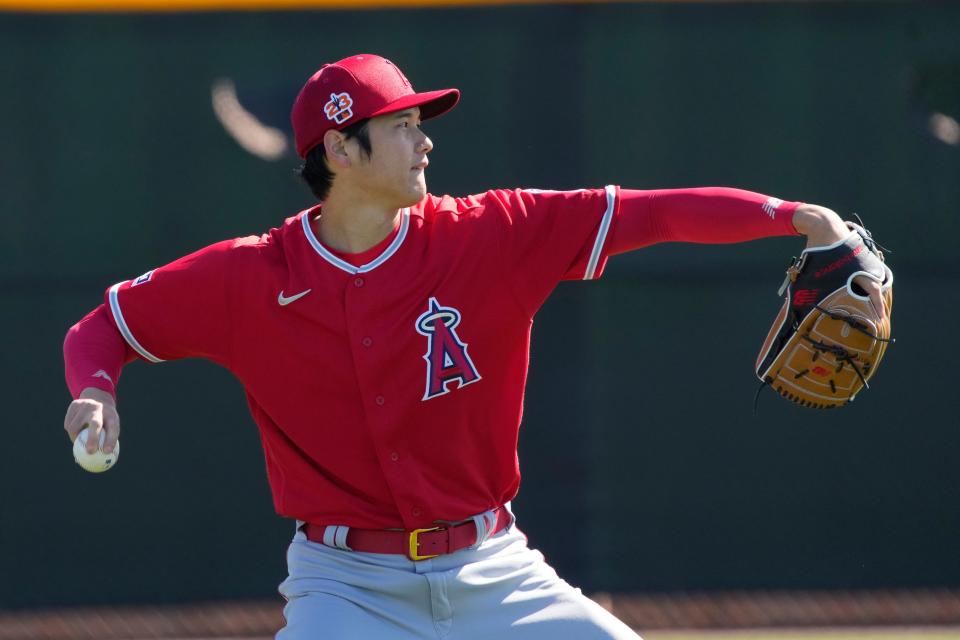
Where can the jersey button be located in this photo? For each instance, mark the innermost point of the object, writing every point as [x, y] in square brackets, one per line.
[415, 512]
[367, 341]
[395, 456]
[358, 282]
[380, 400]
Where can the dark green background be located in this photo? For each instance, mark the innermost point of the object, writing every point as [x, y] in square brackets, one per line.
[644, 467]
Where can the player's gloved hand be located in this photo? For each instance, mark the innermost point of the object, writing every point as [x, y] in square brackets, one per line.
[824, 227]
[834, 327]
[96, 409]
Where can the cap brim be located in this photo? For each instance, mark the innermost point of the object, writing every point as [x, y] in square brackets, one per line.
[431, 103]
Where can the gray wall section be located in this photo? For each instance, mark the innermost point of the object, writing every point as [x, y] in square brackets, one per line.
[644, 467]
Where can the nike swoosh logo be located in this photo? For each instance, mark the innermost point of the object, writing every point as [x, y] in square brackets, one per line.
[285, 301]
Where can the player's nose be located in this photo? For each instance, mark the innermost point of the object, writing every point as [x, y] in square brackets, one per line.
[426, 145]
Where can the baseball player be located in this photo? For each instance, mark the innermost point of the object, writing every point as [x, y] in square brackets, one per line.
[382, 338]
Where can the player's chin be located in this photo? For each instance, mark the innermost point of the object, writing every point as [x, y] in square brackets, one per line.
[417, 189]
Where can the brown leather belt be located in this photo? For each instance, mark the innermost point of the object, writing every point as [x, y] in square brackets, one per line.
[419, 544]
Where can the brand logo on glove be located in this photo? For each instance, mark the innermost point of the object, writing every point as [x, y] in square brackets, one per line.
[806, 297]
[833, 266]
[338, 109]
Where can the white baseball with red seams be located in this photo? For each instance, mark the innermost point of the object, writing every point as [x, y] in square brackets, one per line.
[98, 461]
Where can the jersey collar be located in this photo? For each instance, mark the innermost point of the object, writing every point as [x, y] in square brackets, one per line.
[343, 264]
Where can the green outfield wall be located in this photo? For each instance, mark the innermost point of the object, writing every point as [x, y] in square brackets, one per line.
[644, 465]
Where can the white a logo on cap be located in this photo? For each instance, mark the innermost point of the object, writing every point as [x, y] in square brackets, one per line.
[338, 109]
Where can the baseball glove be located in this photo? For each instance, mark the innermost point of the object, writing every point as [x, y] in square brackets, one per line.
[828, 339]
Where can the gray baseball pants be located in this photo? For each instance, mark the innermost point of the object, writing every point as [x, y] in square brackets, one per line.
[502, 590]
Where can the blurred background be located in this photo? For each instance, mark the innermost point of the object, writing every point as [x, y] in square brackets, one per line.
[131, 137]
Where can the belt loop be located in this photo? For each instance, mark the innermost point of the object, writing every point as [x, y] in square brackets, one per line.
[335, 535]
[299, 533]
[485, 522]
[513, 518]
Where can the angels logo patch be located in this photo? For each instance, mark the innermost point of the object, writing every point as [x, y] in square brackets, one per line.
[446, 356]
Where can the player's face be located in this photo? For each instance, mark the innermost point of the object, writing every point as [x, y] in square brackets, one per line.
[394, 172]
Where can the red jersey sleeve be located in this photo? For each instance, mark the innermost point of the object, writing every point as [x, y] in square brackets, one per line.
[94, 353]
[179, 310]
[551, 236]
[710, 215]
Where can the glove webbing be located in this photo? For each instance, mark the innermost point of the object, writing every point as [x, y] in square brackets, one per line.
[839, 352]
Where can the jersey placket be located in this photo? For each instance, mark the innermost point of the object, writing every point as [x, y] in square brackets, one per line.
[362, 293]
[370, 357]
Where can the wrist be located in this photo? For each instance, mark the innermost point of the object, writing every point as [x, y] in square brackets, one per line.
[93, 393]
[821, 225]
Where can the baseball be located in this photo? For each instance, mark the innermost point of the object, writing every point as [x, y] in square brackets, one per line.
[98, 461]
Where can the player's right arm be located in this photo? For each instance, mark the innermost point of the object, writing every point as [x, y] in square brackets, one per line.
[180, 310]
[93, 354]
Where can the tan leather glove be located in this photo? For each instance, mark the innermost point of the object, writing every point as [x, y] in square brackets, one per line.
[828, 339]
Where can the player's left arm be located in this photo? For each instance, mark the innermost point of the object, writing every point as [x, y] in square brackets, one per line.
[714, 215]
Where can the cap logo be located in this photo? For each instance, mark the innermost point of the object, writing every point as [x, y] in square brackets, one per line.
[403, 78]
[339, 108]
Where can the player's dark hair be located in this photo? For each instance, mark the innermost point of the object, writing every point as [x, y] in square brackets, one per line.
[316, 172]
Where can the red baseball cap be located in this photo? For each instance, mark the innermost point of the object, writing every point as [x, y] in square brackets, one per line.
[355, 88]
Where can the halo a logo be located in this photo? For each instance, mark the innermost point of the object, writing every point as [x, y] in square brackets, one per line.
[446, 356]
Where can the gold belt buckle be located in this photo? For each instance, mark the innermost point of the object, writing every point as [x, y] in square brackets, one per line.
[415, 544]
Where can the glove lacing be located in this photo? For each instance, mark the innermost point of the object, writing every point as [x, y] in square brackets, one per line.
[841, 354]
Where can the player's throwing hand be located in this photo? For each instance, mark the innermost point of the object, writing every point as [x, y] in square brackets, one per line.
[96, 409]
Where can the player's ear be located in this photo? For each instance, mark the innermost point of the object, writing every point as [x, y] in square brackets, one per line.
[335, 144]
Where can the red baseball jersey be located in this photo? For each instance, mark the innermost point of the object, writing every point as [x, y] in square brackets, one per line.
[387, 393]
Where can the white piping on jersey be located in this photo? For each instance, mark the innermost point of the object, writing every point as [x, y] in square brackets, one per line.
[122, 324]
[346, 266]
[602, 233]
